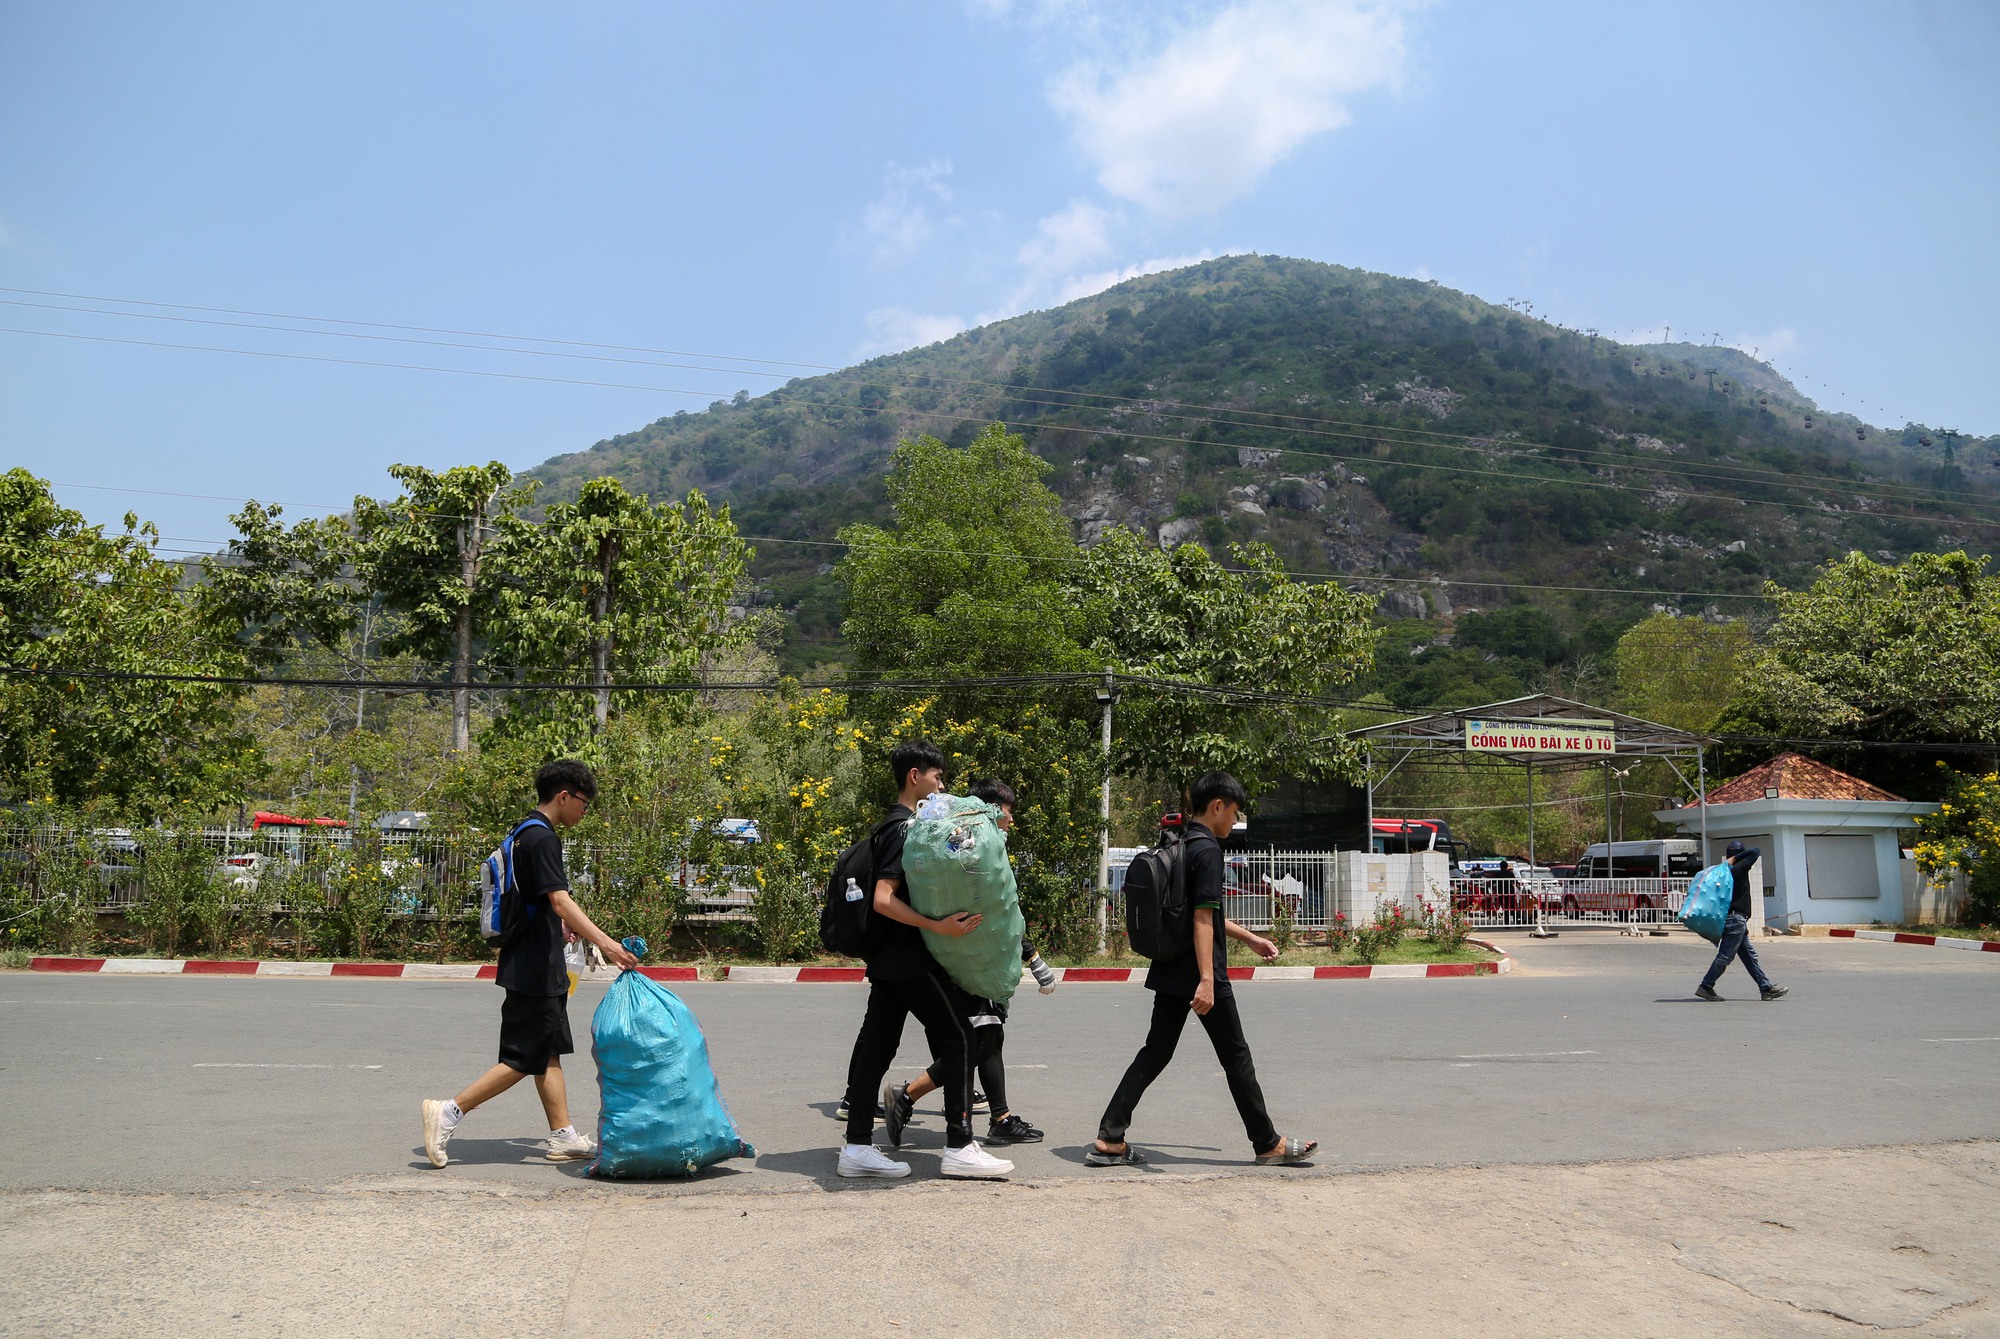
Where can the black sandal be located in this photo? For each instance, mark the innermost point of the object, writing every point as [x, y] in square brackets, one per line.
[1288, 1153]
[1126, 1157]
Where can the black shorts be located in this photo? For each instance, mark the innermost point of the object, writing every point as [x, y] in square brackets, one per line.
[533, 1030]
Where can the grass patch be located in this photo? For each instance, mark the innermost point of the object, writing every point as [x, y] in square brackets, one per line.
[15, 959]
[1989, 933]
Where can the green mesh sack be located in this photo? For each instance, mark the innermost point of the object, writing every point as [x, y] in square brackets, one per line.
[957, 861]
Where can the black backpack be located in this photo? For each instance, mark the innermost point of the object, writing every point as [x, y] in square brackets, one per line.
[1158, 921]
[849, 927]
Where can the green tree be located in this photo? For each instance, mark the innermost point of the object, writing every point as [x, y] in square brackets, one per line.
[974, 578]
[1680, 671]
[1188, 622]
[74, 600]
[613, 588]
[1897, 654]
[426, 551]
[283, 587]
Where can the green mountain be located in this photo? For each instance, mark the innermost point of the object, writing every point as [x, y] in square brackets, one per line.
[1517, 492]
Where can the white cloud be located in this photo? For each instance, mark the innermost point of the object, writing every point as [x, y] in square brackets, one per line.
[1189, 127]
[1075, 235]
[1083, 285]
[902, 219]
[1771, 344]
[894, 329]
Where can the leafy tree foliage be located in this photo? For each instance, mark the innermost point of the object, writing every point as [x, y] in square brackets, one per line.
[425, 552]
[974, 579]
[73, 598]
[610, 588]
[1183, 617]
[1908, 653]
[1680, 671]
[282, 587]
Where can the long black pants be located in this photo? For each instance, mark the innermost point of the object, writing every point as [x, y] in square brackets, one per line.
[989, 1064]
[989, 1033]
[934, 1000]
[1225, 1032]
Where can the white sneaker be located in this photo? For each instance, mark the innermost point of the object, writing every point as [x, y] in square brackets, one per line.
[436, 1133]
[568, 1146]
[867, 1160]
[972, 1160]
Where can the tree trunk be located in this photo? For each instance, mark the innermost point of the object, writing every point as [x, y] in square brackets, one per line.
[470, 536]
[607, 563]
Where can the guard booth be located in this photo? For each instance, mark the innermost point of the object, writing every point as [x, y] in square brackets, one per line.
[1541, 734]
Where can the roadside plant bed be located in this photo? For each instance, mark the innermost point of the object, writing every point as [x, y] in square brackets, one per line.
[1408, 951]
[1989, 933]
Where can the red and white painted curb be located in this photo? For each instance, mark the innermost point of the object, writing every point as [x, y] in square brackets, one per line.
[472, 971]
[1933, 941]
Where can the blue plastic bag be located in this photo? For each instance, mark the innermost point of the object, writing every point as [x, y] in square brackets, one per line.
[1707, 905]
[659, 1111]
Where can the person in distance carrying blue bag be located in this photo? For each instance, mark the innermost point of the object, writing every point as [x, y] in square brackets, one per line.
[526, 914]
[1735, 941]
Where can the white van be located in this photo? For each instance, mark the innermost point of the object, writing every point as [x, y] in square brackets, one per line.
[1664, 858]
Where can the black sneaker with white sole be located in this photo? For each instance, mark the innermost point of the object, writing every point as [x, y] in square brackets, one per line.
[896, 1110]
[1011, 1129]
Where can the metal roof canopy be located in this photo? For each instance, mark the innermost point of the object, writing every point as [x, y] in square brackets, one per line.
[1427, 738]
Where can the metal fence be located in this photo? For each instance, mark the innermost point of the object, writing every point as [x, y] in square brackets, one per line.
[1576, 902]
[431, 876]
[295, 872]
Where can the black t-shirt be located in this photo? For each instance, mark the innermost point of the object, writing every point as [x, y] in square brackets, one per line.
[899, 953]
[1739, 874]
[533, 963]
[1202, 863]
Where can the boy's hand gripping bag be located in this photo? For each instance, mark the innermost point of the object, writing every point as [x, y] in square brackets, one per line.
[957, 861]
[659, 1111]
[1707, 904]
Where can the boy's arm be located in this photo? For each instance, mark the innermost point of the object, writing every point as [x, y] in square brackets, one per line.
[896, 909]
[586, 929]
[1204, 958]
[1251, 940]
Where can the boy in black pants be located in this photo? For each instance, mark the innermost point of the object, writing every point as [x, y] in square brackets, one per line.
[534, 1016]
[1735, 941]
[1199, 981]
[988, 1019]
[904, 979]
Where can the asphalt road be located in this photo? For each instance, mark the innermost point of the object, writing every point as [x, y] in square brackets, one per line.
[1594, 1049]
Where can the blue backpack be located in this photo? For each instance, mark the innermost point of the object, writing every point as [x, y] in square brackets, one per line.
[1707, 904]
[503, 913]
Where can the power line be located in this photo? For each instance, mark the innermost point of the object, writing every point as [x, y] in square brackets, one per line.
[1718, 471]
[1079, 680]
[1884, 489]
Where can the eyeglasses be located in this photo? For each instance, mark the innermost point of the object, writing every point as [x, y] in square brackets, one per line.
[580, 799]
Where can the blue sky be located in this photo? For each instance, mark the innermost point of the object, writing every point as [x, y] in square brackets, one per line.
[811, 183]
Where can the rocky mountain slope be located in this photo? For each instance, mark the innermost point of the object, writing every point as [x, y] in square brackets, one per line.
[1450, 454]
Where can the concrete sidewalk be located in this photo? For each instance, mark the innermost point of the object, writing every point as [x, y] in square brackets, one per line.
[1799, 1242]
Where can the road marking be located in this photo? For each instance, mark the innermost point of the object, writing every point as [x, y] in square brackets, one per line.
[245, 1064]
[1962, 1038]
[1523, 1055]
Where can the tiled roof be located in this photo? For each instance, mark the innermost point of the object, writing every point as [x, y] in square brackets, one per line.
[1797, 777]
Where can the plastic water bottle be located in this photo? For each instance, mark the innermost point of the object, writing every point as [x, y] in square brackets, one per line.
[853, 890]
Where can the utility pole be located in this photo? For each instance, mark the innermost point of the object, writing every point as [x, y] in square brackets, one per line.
[360, 701]
[1106, 695]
